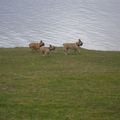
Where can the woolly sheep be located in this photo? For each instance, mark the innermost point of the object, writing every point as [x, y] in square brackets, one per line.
[36, 46]
[46, 50]
[74, 46]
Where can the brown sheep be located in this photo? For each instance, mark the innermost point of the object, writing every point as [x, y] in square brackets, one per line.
[46, 50]
[36, 46]
[74, 46]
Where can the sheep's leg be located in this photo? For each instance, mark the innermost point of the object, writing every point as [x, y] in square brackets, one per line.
[32, 49]
[46, 53]
[78, 49]
[49, 52]
[43, 52]
[75, 50]
[37, 49]
[65, 51]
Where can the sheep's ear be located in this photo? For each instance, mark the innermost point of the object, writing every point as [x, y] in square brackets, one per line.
[79, 40]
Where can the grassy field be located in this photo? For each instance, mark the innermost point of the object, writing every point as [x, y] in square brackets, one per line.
[83, 86]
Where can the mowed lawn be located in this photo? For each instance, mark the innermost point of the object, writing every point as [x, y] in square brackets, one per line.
[83, 86]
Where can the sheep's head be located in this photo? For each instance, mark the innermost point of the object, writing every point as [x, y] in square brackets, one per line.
[42, 43]
[79, 43]
[51, 47]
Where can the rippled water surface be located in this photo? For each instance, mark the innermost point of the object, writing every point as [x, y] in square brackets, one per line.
[96, 22]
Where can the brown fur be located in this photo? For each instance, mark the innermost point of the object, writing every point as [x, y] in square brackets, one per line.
[46, 50]
[36, 46]
[74, 46]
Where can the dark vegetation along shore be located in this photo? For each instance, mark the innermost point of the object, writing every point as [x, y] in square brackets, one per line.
[78, 86]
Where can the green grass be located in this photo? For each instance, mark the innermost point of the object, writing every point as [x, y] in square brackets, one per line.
[83, 86]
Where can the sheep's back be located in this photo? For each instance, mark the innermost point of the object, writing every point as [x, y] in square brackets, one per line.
[69, 45]
[34, 45]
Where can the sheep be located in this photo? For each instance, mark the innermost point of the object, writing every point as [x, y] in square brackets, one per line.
[46, 50]
[36, 46]
[74, 46]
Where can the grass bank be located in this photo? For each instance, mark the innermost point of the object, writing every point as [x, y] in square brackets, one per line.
[83, 86]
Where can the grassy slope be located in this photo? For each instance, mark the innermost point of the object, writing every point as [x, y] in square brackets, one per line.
[83, 86]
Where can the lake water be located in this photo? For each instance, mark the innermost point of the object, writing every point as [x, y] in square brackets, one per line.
[96, 22]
